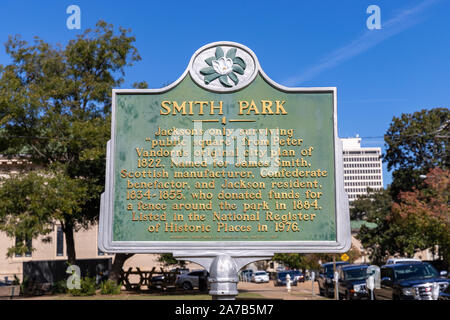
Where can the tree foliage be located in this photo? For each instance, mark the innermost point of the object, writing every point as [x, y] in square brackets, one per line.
[311, 261]
[368, 206]
[418, 220]
[410, 215]
[55, 104]
[415, 143]
[424, 214]
[383, 240]
[167, 260]
[31, 203]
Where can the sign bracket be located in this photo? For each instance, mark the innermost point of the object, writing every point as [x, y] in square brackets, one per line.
[223, 268]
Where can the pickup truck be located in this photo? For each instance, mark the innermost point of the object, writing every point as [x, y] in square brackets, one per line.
[352, 282]
[409, 281]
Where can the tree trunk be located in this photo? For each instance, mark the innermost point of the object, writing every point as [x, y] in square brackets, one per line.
[70, 242]
[117, 266]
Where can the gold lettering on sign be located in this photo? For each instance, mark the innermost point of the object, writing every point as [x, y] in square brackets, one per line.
[244, 199]
[197, 107]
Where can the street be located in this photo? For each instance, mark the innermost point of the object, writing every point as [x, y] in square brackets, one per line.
[300, 292]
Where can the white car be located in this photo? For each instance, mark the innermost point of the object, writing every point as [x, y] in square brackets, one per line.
[260, 276]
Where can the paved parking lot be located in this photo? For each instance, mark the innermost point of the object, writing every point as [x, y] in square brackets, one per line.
[303, 291]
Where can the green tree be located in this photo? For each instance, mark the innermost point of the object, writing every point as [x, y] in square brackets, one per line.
[168, 260]
[415, 143]
[31, 203]
[55, 104]
[311, 261]
[382, 240]
[424, 214]
[368, 205]
[419, 220]
[292, 260]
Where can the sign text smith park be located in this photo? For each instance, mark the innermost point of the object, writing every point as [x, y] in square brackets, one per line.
[224, 159]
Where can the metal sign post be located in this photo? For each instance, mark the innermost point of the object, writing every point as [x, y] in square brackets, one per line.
[223, 268]
[224, 167]
[370, 284]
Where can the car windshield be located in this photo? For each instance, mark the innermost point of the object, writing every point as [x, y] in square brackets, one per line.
[260, 274]
[415, 271]
[356, 274]
[282, 275]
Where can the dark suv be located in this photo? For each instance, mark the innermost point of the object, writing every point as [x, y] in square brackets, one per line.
[409, 282]
[352, 282]
[281, 278]
[325, 278]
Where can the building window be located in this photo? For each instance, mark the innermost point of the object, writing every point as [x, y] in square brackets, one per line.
[59, 241]
[19, 242]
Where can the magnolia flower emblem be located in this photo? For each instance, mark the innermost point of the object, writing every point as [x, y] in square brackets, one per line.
[223, 67]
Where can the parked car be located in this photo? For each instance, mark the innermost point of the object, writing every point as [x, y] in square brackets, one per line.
[409, 281]
[260, 276]
[157, 281]
[352, 282]
[281, 278]
[189, 281]
[402, 260]
[299, 276]
[325, 278]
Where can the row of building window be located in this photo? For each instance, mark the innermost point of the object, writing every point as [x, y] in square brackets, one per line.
[362, 171]
[353, 190]
[362, 152]
[359, 159]
[362, 165]
[362, 178]
[354, 196]
[367, 184]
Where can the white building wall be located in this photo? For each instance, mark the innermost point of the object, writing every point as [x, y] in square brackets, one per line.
[362, 168]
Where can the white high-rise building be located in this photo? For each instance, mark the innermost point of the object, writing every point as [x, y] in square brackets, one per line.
[362, 168]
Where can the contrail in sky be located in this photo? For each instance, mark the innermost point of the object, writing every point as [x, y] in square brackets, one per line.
[404, 20]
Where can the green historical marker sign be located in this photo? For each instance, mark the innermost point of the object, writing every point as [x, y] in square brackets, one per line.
[224, 159]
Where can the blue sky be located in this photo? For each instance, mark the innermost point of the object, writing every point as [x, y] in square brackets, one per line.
[404, 67]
